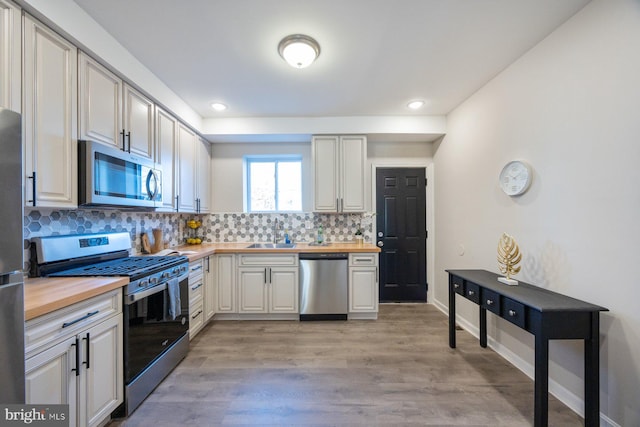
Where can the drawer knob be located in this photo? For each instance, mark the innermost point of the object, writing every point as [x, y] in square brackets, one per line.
[489, 302]
[472, 292]
[512, 313]
[456, 286]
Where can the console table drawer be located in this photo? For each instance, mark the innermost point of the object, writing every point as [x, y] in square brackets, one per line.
[472, 292]
[513, 311]
[458, 285]
[490, 301]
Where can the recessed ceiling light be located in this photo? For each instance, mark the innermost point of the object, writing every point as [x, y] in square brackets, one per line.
[414, 105]
[218, 106]
[299, 50]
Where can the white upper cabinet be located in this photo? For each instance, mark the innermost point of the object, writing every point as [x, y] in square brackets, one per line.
[166, 146]
[138, 123]
[339, 173]
[100, 103]
[114, 113]
[204, 176]
[187, 165]
[10, 56]
[49, 117]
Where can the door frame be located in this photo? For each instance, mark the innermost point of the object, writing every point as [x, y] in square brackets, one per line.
[430, 199]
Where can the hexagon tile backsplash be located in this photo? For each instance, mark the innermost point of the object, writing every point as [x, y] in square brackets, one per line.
[218, 227]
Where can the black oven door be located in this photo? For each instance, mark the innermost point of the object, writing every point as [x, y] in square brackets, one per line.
[151, 327]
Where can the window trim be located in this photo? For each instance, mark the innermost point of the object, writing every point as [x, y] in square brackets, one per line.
[270, 158]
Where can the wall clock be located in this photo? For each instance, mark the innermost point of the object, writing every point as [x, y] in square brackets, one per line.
[515, 178]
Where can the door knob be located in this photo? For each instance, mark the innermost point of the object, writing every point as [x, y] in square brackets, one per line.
[380, 243]
[380, 234]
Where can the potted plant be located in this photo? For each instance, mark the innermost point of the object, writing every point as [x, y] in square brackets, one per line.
[359, 236]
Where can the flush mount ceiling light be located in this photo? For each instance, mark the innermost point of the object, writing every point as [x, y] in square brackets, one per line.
[299, 50]
[218, 106]
[414, 105]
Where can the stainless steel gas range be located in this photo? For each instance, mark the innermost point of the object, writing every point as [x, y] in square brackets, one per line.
[156, 302]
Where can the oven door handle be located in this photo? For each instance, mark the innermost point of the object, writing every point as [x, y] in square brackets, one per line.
[140, 295]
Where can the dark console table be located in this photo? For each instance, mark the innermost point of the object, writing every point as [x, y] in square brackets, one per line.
[547, 315]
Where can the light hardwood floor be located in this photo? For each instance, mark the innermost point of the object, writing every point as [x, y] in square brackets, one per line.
[398, 370]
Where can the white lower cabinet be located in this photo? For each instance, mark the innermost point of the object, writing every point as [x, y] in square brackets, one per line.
[81, 368]
[225, 283]
[209, 289]
[363, 285]
[268, 284]
[196, 288]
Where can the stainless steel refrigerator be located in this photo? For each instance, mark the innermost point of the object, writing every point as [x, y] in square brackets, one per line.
[11, 279]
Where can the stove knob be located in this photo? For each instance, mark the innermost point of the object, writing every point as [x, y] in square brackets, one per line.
[176, 271]
[142, 283]
[153, 280]
[183, 269]
[165, 275]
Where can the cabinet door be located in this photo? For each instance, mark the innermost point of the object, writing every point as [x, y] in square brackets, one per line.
[101, 389]
[49, 378]
[209, 289]
[50, 117]
[100, 98]
[138, 123]
[363, 289]
[353, 156]
[166, 143]
[204, 176]
[325, 173]
[225, 284]
[10, 54]
[252, 290]
[187, 164]
[283, 290]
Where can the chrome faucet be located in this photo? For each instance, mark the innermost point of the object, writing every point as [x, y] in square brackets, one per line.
[275, 231]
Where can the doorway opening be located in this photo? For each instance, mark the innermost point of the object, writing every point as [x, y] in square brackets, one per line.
[401, 233]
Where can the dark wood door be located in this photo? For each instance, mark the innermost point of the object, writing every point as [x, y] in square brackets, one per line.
[402, 232]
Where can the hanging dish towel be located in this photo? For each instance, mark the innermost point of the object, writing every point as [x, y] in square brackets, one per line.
[173, 288]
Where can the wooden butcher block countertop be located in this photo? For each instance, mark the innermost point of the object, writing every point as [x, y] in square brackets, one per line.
[206, 249]
[43, 295]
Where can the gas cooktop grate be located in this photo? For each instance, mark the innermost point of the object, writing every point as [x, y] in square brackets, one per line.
[130, 266]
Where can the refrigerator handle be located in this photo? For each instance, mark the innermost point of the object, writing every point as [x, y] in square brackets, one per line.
[33, 188]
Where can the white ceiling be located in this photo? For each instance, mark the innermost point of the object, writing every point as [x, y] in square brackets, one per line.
[376, 54]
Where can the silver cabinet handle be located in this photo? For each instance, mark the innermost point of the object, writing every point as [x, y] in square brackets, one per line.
[512, 313]
[489, 302]
[472, 292]
[380, 243]
[455, 285]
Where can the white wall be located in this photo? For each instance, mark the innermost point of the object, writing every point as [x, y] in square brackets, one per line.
[570, 107]
[227, 171]
[227, 165]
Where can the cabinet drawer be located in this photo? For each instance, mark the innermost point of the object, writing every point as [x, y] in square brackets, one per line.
[66, 322]
[358, 260]
[195, 290]
[458, 285]
[196, 319]
[268, 260]
[472, 292]
[490, 301]
[195, 270]
[513, 311]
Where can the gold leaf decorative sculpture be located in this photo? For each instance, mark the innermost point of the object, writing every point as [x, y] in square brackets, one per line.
[508, 258]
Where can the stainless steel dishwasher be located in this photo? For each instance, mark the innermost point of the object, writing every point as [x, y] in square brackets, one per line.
[323, 286]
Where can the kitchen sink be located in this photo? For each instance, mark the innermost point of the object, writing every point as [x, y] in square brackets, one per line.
[271, 246]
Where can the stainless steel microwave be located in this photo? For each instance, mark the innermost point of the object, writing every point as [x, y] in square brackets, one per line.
[111, 177]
